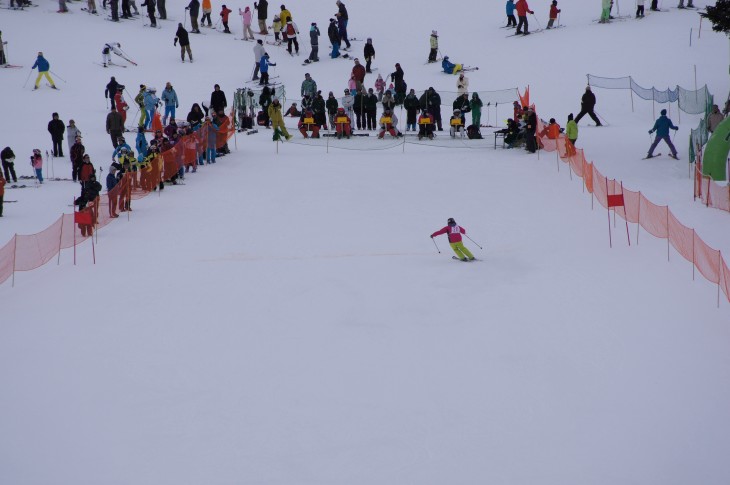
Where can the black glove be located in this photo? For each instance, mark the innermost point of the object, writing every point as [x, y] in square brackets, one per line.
[432, 236]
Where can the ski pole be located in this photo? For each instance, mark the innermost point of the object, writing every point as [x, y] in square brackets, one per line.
[59, 77]
[536, 21]
[470, 239]
[434, 243]
[26, 79]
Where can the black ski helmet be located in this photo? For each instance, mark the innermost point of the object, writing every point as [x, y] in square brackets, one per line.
[451, 221]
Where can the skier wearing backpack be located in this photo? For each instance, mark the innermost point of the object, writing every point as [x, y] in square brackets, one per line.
[454, 232]
[292, 31]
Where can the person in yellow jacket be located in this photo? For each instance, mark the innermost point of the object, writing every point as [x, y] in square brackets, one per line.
[277, 119]
[571, 132]
[434, 46]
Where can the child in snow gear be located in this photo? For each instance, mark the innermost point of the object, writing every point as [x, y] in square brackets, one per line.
[8, 160]
[462, 84]
[380, 87]
[343, 124]
[182, 37]
[56, 128]
[276, 27]
[334, 37]
[587, 103]
[369, 55]
[387, 125]
[456, 124]
[307, 124]
[36, 161]
[454, 232]
[639, 9]
[554, 11]
[43, 68]
[571, 131]
[264, 67]
[449, 67]
[246, 16]
[225, 12]
[522, 10]
[662, 127]
[76, 152]
[425, 126]
[292, 31]
[434, 41]
[510, 8]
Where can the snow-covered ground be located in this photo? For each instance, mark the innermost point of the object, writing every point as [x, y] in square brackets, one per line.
[284, 318]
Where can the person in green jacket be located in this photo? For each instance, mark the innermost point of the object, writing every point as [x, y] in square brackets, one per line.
[606, 11]
[476, 109]
[571, 131]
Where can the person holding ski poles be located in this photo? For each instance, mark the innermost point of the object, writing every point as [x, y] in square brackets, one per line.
[44, 68]
[454, 232]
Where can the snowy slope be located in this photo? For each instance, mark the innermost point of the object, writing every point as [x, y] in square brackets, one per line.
[283, 318]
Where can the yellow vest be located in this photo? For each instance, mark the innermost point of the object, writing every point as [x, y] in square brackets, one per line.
[342, 119]
[424, 121]
[386, 120]
[308, 121]
[455, 122]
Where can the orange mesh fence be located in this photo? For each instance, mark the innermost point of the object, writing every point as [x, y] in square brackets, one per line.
[27, 252]
[655, 219]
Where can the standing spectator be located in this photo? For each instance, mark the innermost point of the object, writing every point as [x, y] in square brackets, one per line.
[56, 128]
[662, 127]
[462, 84]
[358, 72]
[320, 110]
[369, 55]
[342, 10]
[151, 101]
[182, 36]
[606, 11]
[72, 131]
[400, 85]
[522, 10]
[258, 53]
[8, 161]
[689, 4]
[77, 157]
[111, 182]
[150, 4]
[587, 103]
[36, 161]
[44, 68]
[639, 9]
[115, 10]
[309, 86]
[263, 12]
[218, 99]
[194, 9]
[161, 9]
[265, 102]
[114, 126]
[334, 37]
[530, 130]
[169, 97]
[331, 105]
[3, 59]
[87, 171]
[476, 109]
[121, 104]
[207, 10]
[412, 107]
[195, 116]
[111, 90]
[342, 30]
[247, 32]
[380, 87]
[554, 11]
[225, 12]
[713, 120]
[314, 42]
[371, 108]
[348, 102]
[434, 42]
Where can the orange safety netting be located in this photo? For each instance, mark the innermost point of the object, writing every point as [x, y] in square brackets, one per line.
[27, 252]
[655, 219]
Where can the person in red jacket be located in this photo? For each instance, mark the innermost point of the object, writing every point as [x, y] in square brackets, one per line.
[225, 11]
[522, 10]
[358, 72]
[120, 103]
[454, 232]
[342, 124]
[307, 123]
[554, 11]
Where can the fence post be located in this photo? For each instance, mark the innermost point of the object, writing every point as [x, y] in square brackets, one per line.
[631, 93]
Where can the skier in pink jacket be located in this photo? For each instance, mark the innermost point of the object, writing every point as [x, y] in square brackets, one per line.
[454, 232]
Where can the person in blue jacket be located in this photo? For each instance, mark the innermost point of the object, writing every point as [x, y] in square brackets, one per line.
[264, 68]
[449, 67]
[118, 149]
[662, 127]
[43, 68]
[169, 97]
[150, 105]
[511, 20]
[141, 144]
